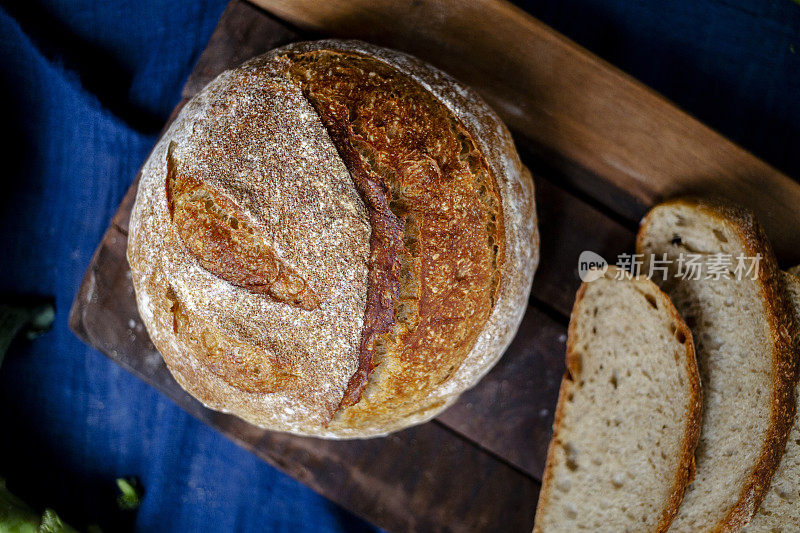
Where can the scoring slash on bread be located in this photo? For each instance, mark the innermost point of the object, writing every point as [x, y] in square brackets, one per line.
[743, 331]
[334, 239]
[628, 412]
[780, 509]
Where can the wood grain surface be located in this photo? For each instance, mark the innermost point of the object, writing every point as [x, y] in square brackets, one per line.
[478, 465]
[614, 138]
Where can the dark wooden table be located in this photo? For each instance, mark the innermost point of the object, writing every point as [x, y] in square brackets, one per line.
[478, 465]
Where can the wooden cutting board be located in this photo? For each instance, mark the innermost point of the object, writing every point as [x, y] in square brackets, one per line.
[602, 148]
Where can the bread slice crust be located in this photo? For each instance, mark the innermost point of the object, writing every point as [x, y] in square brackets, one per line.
[683, 475]
[780, 507]
[784, 368]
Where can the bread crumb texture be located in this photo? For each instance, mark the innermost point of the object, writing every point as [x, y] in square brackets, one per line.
[742, 331]
[627, 416]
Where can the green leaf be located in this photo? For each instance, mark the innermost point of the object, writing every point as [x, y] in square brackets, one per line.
[16, 517]
[52, 523]
[130, 496]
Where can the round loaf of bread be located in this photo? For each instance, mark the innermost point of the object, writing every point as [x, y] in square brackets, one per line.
[333, 239]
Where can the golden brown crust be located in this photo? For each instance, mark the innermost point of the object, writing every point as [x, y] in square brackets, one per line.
[567, 385]
[779, 509]
[781, 321]
[519, 218]
[222, 239]
[564, 392]
[693, 413]
[386, 247]
[253, 146]
[439, 232]
[685, 475]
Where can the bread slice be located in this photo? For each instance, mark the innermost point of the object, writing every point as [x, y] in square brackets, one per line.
[780, 510]
[628, 413]
[742, 330]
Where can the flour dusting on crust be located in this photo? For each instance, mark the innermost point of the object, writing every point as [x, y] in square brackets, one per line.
[286, 174]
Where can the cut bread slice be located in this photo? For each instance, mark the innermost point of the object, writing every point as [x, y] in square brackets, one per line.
[628, 413]
[742, 324]
[780, 510]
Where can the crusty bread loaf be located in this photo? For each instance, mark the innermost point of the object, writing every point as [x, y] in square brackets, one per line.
[628, 413]
[780, 509]
[334, 239]
[742, 329]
